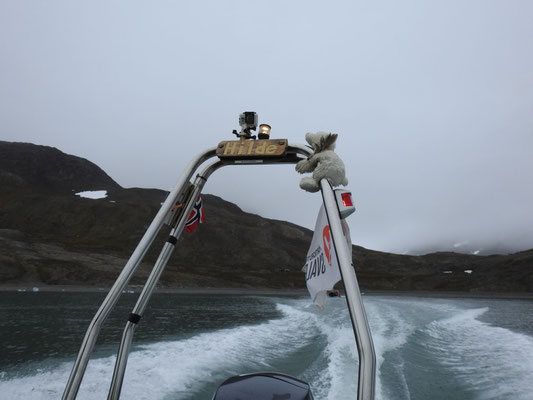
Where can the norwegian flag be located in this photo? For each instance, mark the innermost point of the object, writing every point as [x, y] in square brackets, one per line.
[197, 216]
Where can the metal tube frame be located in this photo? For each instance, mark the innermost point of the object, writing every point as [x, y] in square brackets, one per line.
[365, 347]
[363, 337]
[87, 346]
[149, 287]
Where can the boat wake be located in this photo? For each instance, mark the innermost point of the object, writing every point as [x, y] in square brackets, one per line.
[426, 348]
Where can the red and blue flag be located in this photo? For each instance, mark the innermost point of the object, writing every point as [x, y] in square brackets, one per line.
[197, 216]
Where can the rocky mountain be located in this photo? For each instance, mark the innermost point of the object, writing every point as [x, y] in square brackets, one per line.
[49, 235]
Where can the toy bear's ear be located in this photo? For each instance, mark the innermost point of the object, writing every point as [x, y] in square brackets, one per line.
[325, 142]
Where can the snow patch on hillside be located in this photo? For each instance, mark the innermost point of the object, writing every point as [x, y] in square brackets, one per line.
[93, 194]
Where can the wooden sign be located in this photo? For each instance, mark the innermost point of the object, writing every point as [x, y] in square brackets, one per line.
[247, 149]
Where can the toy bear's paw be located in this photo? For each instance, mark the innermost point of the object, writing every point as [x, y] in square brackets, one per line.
[309, 184]
[303, 166]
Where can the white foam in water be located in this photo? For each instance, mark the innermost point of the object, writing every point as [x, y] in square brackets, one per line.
[338, 379]
[390, 331]
[44, 385]
[390, 321]
[176, 368]
[228, 351]
[181, 366]
[393, 321]
[493, 361]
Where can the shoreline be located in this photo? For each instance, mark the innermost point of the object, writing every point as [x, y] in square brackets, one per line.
[453, 295]
[265, 292]
[138, 289]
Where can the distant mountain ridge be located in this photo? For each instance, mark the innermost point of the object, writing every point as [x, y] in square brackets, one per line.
[50, 236]
[46, 169]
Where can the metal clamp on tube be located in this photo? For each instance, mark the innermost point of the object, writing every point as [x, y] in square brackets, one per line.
[363, 337]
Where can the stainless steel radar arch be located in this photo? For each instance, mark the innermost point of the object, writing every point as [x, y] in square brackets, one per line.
[186, 193]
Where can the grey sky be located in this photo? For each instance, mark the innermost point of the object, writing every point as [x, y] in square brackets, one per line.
[432, 101]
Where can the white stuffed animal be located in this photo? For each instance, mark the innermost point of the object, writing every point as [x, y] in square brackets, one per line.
[323, 163]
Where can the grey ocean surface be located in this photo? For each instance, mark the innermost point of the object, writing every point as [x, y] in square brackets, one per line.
[186, 345]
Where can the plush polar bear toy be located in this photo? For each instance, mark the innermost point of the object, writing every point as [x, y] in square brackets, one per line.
[323, 163]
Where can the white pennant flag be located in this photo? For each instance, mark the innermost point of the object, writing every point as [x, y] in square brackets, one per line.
[321, 268]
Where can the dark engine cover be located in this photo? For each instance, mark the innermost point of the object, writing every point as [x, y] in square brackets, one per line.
[263, 386]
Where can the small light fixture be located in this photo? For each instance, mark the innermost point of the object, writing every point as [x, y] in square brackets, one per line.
[345, 202]
[263, 132]
[347, 199]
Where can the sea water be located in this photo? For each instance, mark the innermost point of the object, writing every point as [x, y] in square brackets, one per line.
[186, 345]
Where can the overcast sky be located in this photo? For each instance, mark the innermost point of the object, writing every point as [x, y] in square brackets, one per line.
[432, 101]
